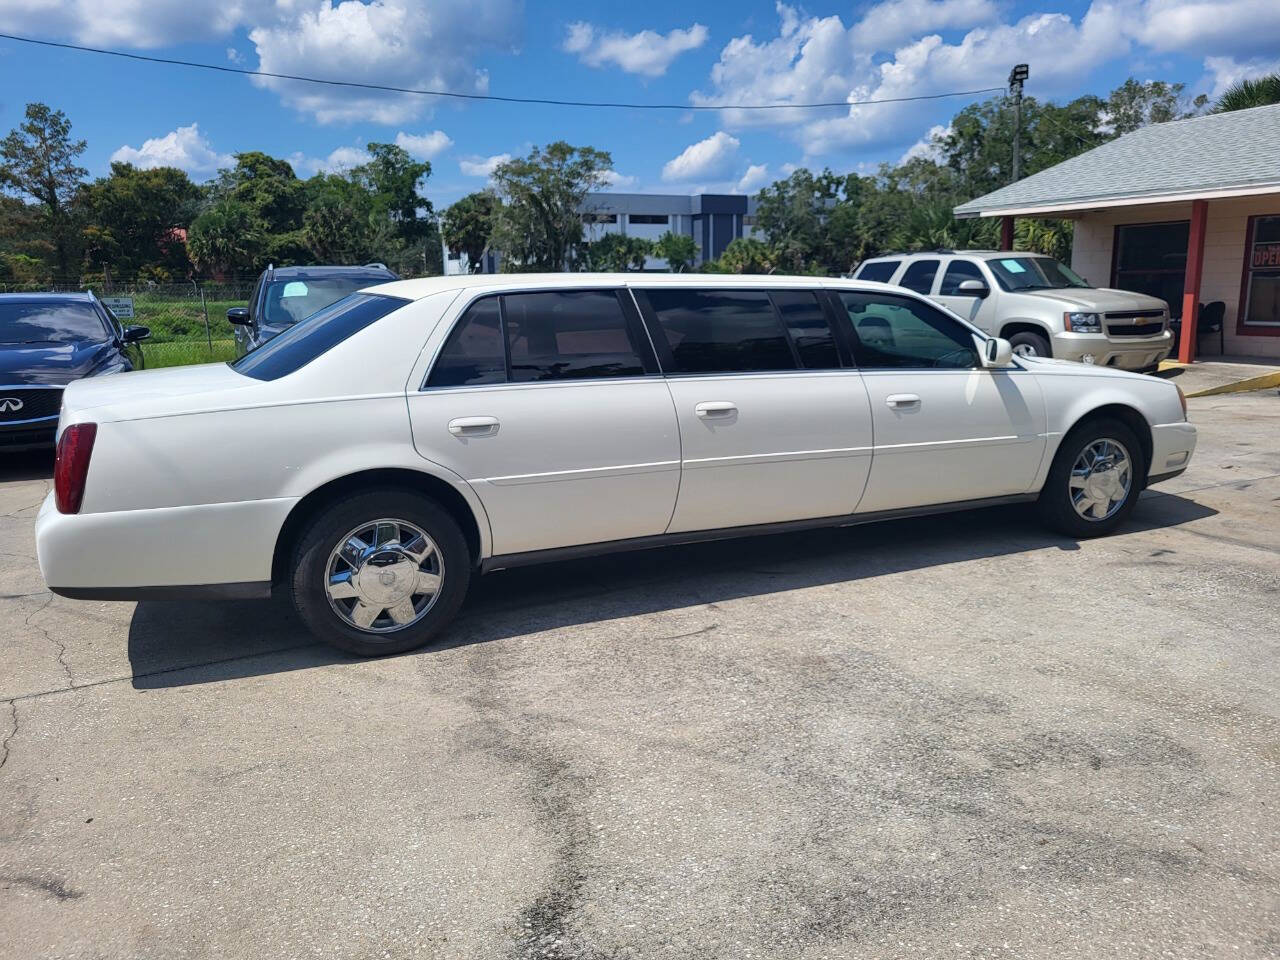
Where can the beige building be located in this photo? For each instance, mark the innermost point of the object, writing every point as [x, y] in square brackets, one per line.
[1187, 211]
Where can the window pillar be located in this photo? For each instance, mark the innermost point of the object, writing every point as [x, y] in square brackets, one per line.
[1191, 285]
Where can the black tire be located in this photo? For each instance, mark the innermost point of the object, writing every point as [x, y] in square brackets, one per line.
[1033, 341]
[1056, 504]
[311, 555]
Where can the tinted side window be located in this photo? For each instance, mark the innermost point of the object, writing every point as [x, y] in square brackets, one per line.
[319, 333]
[919, 276]
[898, 332]
[957, 272]
[881, 272]
[560, 335]
[720, 331]
[809, 329]
[473, 352]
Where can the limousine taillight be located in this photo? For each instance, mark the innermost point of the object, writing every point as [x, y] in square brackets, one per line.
[75, 447]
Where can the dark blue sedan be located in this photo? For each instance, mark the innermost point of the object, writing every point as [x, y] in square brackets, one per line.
[48, 340]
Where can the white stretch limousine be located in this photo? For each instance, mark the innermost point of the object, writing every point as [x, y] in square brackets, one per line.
[375, 456]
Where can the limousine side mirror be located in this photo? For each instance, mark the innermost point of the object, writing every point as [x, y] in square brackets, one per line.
[973, 288]
[997, 352]
[134, 334]
[238, 316]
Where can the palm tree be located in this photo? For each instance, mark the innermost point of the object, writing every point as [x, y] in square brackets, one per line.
[1256, 92]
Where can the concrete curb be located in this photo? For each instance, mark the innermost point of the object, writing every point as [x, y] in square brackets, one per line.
[1241, 386]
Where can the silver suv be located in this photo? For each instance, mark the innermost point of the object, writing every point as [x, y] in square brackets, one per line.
[1036, 303]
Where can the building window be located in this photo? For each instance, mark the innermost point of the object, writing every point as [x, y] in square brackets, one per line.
[655, 218]
[599, 218]
[1260, 303]
[1151, 258]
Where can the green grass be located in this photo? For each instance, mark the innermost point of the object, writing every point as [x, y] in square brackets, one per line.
[180, 353]
[181, 318]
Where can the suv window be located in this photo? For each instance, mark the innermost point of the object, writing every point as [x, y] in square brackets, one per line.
[899, 332]
[565, 335]
[809, 329]
[474, 352]
[319, 333]
[881, 271]
[919, 276]
[958, 271]
[720, 331]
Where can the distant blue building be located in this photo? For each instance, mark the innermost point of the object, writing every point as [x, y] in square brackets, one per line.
[713, 220]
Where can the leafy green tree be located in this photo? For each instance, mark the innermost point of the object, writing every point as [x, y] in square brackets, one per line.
[538, 225]
[744, 255]
[341, 222]
[678, 249]
[38, 160]
[468, 224]
[226, 239]
[132, 216]
[1244, 94]
[618, 253]
[276, 200]
[25, 251]
[395, 179]
[1134, 105]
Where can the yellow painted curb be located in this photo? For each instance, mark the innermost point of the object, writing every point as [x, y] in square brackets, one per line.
[1241, 386]
[1172, 365]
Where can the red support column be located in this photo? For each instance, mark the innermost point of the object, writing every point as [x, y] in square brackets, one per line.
[1006, 233]
[1191, 285]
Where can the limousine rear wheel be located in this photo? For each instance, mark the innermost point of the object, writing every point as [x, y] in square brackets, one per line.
[1095, 479]
[380, 572]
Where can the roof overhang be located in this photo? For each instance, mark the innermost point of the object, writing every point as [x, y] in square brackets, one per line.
[1084, 206]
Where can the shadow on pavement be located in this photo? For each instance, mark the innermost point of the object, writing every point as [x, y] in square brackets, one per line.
[26, 465]
[175, 644]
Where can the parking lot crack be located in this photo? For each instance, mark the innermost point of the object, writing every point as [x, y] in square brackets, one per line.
[4, 747]
[62, 647]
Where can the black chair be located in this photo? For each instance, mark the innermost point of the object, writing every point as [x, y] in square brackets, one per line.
[1210, 320]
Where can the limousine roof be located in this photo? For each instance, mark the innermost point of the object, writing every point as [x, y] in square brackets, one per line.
[426, 286]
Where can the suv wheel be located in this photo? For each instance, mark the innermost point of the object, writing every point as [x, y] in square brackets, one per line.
[1027, 344]
[1095, 479]
[380, 572]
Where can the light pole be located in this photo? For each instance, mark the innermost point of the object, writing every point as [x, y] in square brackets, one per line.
[1017, 76]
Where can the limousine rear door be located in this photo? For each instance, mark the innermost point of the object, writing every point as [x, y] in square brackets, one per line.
[773, 426]
[548, 403]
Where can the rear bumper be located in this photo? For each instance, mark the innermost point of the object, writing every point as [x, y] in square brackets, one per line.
[218, 548]
[1172, 445]
[1137, 353]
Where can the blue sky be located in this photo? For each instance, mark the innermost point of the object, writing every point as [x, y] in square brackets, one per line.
[706, 53]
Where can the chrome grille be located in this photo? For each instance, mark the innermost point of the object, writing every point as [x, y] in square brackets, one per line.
[20, 403]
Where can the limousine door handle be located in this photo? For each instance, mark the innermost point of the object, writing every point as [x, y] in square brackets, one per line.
[474, 426]
[715, 409]
[902, 401]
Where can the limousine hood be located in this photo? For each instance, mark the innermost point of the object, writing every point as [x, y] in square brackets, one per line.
[153, 393]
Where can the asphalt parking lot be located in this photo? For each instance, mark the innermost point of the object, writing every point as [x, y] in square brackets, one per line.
[952, 737]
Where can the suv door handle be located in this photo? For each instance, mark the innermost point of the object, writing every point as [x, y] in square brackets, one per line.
[474, 426]
[900, 401]
[715, 409]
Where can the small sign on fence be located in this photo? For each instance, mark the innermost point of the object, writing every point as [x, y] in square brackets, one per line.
[120, 307]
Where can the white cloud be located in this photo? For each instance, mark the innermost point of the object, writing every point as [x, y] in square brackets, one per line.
[646, 52]
[424, 146]
[712, 157]
[614, 180]
[888, 24]
[185, 148]
[925, 147]
[127, 23]
[234, 55]
[415, 44]
[757, 176]
[1224, 72]
[1239, 28]
[482, 166]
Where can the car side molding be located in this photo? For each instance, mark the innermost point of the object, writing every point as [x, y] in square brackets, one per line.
[577, 551]
[249, 590]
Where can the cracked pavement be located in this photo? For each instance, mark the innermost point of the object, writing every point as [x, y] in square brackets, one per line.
[950, 737]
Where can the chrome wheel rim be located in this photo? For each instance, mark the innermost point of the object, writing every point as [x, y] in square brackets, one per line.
[384, 576]
[1101, 479]
[1025, 350]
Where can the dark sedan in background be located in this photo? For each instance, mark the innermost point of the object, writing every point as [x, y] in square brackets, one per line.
[48, 340]
[284, 295]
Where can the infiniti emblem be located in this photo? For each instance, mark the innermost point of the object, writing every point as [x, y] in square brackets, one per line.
[10, 404]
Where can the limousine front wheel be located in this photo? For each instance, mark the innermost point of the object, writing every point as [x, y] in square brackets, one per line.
[380, 572]
[1095, 479]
